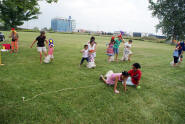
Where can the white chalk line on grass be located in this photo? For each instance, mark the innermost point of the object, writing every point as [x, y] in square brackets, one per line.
[65, 89]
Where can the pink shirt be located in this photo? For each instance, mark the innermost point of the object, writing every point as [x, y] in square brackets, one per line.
[111, 79]
[50, 51]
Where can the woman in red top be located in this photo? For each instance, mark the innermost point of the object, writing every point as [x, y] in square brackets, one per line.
[135, 75]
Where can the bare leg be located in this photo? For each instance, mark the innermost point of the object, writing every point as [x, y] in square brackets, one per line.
[103, 79]
[40, 57]
[45, 54]
[116, 59]
[174, 64]
[109, 58]
[129, 56]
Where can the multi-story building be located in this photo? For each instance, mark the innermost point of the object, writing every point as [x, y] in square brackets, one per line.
[63, 25]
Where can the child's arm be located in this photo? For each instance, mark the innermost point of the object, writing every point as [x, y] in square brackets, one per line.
[33, 43]
[82, 50]
[125, 85]
[115, 85]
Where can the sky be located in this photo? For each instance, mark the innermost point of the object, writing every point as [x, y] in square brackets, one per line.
[99, 15]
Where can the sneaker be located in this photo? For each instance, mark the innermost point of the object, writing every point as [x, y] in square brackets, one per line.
[116, 91]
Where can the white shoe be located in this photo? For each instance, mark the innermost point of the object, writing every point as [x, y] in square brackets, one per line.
[116, 91]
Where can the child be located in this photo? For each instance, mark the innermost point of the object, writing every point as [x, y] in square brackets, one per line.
[116, 46]
[175, 56]
[50, 56]
[110, 51]
[113, 78]
[40, 44]
[135, 76]
[91, 63]
[92, 50]
[127, 52]
[180, 51]
[85, 53]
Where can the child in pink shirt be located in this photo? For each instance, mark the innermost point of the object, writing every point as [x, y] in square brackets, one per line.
[50, 56]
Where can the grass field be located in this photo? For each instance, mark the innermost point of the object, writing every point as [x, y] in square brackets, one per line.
[161, 98]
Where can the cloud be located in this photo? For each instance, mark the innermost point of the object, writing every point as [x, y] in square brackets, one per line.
[107, 15]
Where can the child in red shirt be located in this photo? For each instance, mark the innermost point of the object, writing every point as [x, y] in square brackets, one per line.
[135, 75]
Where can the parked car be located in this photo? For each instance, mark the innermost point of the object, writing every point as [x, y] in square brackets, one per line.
[2, 37]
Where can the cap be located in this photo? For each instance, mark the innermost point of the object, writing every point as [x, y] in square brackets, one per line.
[120, 36]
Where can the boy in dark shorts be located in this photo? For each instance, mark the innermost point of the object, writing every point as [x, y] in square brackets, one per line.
[85, 54]
[41, 44]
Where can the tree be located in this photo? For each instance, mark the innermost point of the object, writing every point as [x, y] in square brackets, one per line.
[45, 29]
[171, 15]
[13, 13]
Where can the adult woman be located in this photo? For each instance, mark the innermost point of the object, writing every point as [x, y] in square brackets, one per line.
[14, 42]
[41, 44]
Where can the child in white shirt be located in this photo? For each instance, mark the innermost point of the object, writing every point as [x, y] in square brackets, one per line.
[85, 54]
[127, 53]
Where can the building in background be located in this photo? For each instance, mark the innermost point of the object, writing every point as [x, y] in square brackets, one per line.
[137, 34]
[63, 24]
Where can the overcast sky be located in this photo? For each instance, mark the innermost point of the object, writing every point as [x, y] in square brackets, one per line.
[106, 15]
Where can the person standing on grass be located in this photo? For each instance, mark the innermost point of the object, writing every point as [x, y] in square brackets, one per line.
[127, 51]
[92, 46]
[85, 54]
[116, 46]
[41, 44]
[176, 56]
[181, 50]
[92, 50]
[14, 43]
[110, 51]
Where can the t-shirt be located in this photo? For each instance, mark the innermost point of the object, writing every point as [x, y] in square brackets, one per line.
[117, 43]
[127, 46]
[176, 53]
[135, 76]
[85, 53]
[40, 40]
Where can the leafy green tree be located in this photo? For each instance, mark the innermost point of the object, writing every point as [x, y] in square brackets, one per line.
[13, 13]
[171, 15]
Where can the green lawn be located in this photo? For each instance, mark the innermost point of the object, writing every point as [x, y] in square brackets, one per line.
[161, 98]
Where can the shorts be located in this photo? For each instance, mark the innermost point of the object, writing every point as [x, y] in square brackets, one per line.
[129, 82]
[181, 56]
[116, 50]
[110, 54]
[41, 49]
[176, 59]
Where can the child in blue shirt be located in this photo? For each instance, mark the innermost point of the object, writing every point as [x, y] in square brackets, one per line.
[176, 56]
